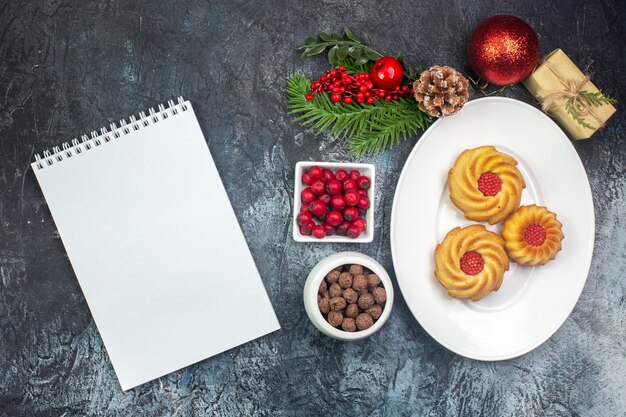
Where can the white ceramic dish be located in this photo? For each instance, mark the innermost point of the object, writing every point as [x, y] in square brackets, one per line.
[532, 303]
[365, 169]
[314, 280]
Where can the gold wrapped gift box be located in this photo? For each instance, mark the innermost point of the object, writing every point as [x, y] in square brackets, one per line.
[557, 79]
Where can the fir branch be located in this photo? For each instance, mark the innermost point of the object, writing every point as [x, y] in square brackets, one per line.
[569, 107]
[598, 98]
[369, 128]
[412, 75]
[405, 120]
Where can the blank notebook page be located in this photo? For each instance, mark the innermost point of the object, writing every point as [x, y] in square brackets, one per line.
[155, 244]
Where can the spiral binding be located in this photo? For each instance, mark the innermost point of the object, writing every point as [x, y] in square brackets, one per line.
[95, 139]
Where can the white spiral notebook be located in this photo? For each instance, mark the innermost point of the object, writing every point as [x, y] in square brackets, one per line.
[154, 243]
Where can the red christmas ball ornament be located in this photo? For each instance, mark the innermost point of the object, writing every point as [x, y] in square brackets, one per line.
[387, 73]
[503, 50]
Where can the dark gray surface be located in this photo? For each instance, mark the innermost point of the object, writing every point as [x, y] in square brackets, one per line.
[69, 67]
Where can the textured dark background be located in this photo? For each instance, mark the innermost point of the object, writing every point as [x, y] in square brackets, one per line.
[69, 67]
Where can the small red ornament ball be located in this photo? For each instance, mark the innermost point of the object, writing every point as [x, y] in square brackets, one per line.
[387, 73]
[503, 50]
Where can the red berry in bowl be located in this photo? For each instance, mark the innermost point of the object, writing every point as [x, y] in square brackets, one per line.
[307, 179]
[317, 208]
[325, 198]
[333, 187]
[350, 213]
[341, 175]
[334, 218]
[343, 228]
[319, 231]
[364, 203]
[360, 223]
[363, 182]
[337, 202]
[362, 193]
[316, 172]
[318, 187]
[307, 195]
[304, 218]
[304, 208]
[349, 186]
[328, 175]
[354, 175]
[307, 229]
[352, 198]
[353, 231]
[329, 229]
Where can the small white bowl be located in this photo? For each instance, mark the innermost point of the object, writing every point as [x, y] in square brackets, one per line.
[315, 278]
[365, 169]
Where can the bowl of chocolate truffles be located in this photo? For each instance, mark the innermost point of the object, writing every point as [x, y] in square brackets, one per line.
[348, 296]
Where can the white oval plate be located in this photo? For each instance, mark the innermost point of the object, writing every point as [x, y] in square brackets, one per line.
[532, 303]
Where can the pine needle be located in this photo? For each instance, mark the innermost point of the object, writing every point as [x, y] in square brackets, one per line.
[368, 128]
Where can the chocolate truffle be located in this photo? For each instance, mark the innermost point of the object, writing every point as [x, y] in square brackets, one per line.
[363, 321]
[356, 269]
[324, 305]
[375, 311]
[323, 287]
[365, 301]
[359, 283]
[380, 295]
[345, 280]
[337, 303]
[352, 311]
[332, 276]
[373, 281]
[335, 318]
[350, 295]
[348, 325]
[335, 290]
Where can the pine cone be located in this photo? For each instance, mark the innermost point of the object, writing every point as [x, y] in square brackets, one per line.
[441, 91]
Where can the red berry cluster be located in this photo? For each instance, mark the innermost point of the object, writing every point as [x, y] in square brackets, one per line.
[349, 88]
[472, 263]
[337, 200]
[535, 235]
[489, 184]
